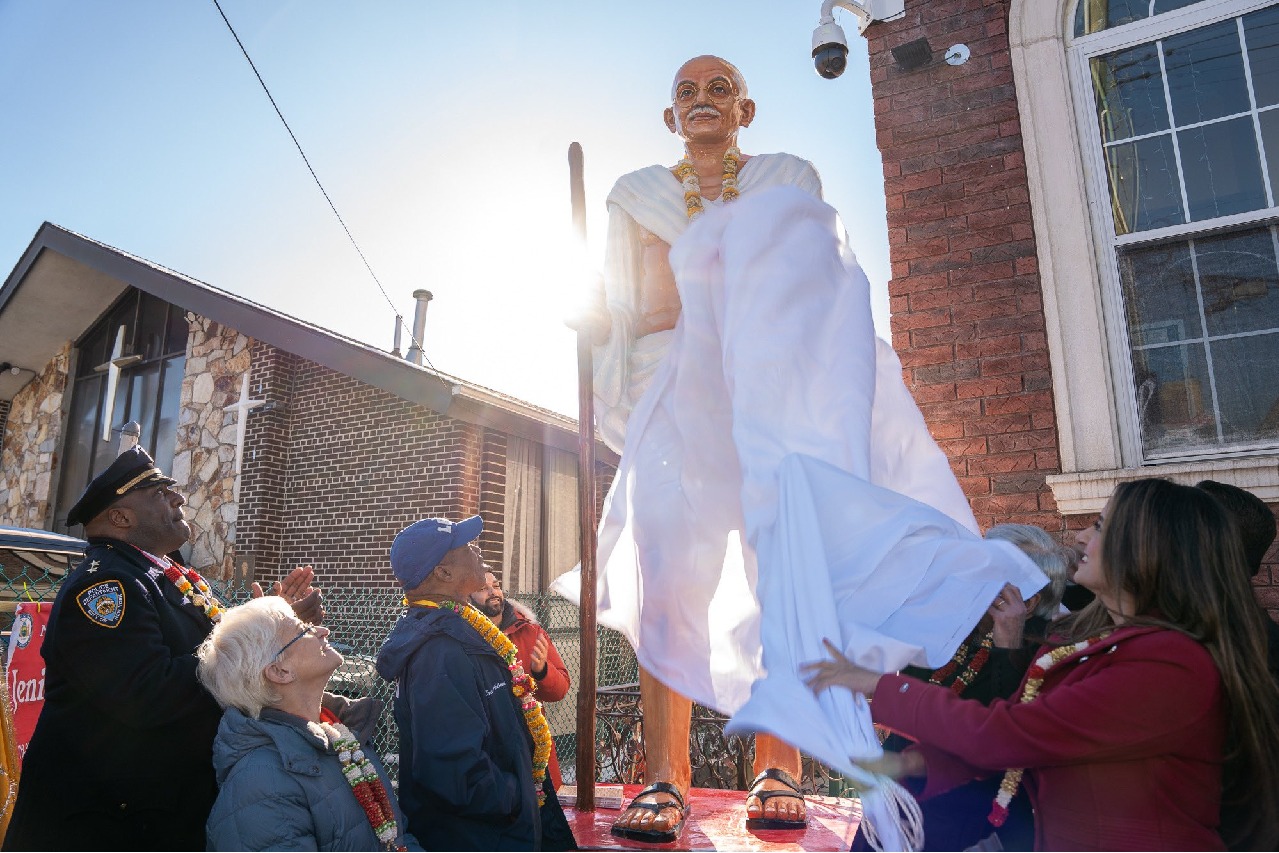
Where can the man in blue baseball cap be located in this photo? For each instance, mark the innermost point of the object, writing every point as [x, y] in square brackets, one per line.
[472, 752]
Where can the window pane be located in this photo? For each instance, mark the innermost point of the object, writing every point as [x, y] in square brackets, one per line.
[1092, 16]
[146, 392]
[1130, 95]
[77, 450]
[1160, 300]
[1162, 6]
[1187, 401]
[1143, 184]
[166, 434]
[1222, 168]
[151, 327]
[94, 350]
[1174, 398]
[1261, 32]
[1247, 391]
[1270, 141]
[178, 332]
[1237, 274]
[1205, 73]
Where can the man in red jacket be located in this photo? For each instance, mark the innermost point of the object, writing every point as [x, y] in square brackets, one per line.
[535, 651]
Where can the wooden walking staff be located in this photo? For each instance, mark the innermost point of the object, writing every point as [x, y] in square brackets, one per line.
[586, 517]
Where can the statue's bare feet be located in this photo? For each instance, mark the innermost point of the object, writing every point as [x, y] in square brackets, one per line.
[655, 815]
[775, 802]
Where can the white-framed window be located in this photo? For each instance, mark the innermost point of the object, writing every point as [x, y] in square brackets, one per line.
[1151, 131]
[1181, 128]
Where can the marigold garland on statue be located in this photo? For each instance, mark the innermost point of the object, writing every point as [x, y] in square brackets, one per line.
[687, 174]
[522, 684]
[1034, 680]
[365, 784]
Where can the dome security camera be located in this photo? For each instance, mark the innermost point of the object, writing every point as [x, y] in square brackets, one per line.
[830, 49]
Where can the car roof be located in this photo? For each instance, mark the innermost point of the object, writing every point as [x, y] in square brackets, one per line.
[31, 539]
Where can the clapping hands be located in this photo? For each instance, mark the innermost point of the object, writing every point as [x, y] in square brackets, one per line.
[296, 589]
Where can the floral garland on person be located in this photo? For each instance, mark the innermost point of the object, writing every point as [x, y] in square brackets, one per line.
[687, 174]
[523, 685]
[196, 588]
[367, 786]
[1034, 680]
[972, 666]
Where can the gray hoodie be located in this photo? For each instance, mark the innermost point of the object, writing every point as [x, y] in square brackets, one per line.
[282, 788]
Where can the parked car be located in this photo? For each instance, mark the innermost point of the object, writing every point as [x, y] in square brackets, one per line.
[357, 676]
[32, 564]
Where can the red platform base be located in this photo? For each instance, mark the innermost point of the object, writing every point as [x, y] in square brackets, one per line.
[717, 821]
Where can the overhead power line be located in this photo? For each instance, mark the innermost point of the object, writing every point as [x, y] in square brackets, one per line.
[323, 191]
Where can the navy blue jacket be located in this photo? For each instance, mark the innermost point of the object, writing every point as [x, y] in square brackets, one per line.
[466, 755]
[121, 756]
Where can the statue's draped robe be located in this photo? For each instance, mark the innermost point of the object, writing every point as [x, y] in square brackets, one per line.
[772, 456]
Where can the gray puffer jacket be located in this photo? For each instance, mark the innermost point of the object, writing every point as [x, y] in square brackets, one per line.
[281, 788]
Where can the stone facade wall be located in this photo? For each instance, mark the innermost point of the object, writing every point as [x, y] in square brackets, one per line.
[204, 459]
[32, 442]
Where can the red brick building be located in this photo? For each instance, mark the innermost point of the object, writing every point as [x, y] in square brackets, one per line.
[1081, 197]
[292, 444]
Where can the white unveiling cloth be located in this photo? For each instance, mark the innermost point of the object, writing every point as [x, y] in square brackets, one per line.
[778, 485]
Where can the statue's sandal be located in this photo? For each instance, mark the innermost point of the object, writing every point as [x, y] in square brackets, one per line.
[777, 775]
[655, 836]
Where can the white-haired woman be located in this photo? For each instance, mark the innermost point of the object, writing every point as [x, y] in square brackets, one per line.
[288, 779]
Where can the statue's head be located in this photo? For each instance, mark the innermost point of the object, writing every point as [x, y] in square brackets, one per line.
[709, 101]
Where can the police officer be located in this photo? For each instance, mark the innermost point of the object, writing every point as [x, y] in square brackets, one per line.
[121, 754]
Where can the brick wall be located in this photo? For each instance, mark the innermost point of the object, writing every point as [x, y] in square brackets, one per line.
[336, 468]
[493, 499]
[967, 314]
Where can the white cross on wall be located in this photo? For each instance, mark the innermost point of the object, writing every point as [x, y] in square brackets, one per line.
[242, 407]
[118, 362]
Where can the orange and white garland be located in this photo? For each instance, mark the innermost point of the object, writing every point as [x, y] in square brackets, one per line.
[1034, 680]
[687, 174]
[190, 584]
[369, 791]
[196, 588]
[522, 684]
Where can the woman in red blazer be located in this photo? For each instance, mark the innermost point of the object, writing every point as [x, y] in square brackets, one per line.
[1123, 725]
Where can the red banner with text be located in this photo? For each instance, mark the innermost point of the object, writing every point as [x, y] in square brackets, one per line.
[25, 669]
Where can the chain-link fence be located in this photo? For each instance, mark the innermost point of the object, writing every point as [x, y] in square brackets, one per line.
[360, 618]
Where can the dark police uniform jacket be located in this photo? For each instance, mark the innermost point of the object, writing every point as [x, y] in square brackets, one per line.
[121, 757]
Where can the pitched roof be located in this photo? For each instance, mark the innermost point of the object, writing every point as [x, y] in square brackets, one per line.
[64, 281]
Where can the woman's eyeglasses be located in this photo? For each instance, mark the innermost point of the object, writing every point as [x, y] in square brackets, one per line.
[306, 630]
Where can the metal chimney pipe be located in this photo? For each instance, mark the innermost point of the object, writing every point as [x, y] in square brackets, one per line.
[419, 325]
[399, 325]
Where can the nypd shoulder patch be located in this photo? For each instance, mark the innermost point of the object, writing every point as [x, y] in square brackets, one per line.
[103, 603]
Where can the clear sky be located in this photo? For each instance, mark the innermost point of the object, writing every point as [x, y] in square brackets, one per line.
[439, 128]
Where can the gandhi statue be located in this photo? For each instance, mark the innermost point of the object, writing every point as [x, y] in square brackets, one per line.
[649, 209]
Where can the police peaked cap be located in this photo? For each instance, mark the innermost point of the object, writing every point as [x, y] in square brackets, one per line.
[134, 469]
